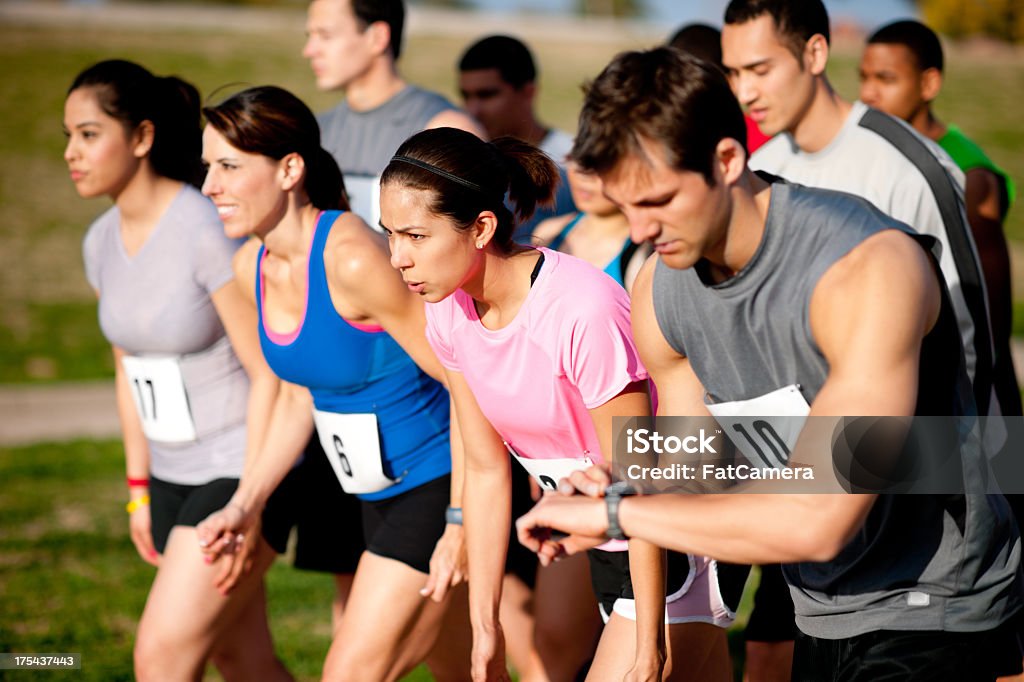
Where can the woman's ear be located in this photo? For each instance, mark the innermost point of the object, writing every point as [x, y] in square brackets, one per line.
[293, 171]
[142, 139]
[484, 229]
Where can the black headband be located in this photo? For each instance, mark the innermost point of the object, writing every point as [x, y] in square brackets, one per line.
[442, 172]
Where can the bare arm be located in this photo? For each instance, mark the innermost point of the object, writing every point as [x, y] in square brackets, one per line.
[646, 561]
[487, 513]
[983, 196]
[884, 289]
[136, 456]
[372, 291]
[238, 315]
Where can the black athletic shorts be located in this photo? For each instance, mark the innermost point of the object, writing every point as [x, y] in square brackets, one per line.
[610, 578]
[406, 527]
[772, 619]
[520, 562]
[327, 520]
[173, 504]
[891, 656]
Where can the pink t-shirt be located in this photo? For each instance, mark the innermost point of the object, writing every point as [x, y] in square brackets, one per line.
[569, 349]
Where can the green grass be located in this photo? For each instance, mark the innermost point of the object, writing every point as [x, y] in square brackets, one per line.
[71, 581]
[45, 326]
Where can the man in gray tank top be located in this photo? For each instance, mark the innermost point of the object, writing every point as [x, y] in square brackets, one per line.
[760, 286]
[353, 45]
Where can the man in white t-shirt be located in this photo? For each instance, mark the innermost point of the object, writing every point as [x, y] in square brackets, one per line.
[775, 53]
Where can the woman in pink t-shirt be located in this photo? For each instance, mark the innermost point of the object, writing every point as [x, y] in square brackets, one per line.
[539, 356]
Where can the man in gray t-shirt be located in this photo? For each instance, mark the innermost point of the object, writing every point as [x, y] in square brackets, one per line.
[353, 45]
[809, 303]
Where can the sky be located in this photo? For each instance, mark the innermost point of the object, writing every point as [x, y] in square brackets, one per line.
[868, 13]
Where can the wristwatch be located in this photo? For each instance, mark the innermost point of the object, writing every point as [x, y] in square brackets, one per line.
[453, 515]
[613, 495]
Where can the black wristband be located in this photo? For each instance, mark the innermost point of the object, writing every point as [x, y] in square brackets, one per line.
[613, 495]
[453, 515]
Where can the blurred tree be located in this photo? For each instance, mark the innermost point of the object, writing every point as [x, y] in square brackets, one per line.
[1002, 19]
[610, 8]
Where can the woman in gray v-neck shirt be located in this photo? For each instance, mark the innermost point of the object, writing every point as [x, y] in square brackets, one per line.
[192, 388]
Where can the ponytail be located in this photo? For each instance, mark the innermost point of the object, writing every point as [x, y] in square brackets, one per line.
[273, 122]
[324, 183]
[533, 176]
[466, 176]
[131, 94]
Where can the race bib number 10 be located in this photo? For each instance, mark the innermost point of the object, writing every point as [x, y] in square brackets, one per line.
[159, 393]
[352, 444]
[756, 429]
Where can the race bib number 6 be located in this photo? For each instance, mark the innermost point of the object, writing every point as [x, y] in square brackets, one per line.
[160, 398]
[352, 444]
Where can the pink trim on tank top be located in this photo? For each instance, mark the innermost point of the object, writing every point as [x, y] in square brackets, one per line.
[277, 337]
[368, 328]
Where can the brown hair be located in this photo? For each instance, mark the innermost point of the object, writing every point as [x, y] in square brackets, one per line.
[662, 95]
[273, 122]
[468, 175]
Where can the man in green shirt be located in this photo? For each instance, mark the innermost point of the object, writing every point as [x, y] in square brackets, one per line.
[901, 74]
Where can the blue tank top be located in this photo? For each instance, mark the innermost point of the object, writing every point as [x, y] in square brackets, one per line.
[614, 267]
[356, 371]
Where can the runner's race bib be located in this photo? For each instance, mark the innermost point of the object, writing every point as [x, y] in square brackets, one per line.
[352, 444]
[160, 398]
[756, 429]
[548, 472]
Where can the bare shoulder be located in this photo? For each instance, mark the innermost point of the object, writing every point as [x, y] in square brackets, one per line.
[548, 229]
[244, 265]
[353, 250]
[891, 255]
[456, 118]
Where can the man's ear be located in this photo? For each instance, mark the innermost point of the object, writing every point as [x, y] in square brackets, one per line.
[379, 35]
[931, 84]
[816, 54]
[730, 159]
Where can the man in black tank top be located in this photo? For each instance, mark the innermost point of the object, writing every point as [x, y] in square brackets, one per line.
[761, 289]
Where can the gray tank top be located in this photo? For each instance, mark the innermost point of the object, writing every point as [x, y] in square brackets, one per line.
[362, 142]
[919, 562]
[157, 304]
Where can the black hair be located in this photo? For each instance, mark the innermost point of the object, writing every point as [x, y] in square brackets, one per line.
[700, 40]
[131, 94]
[467, 176]
[391, 12]
[663, 95]
[273, 122]
[508, 55]
[916, 37]
[796, 21]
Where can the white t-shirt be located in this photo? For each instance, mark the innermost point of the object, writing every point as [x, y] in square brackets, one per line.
[906, 176]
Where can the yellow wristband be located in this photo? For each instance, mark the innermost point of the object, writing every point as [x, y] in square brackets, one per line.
[132, 506]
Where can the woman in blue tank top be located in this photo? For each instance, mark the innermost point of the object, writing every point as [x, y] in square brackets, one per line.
[346, 336]
[193, 391]
[599, 233]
